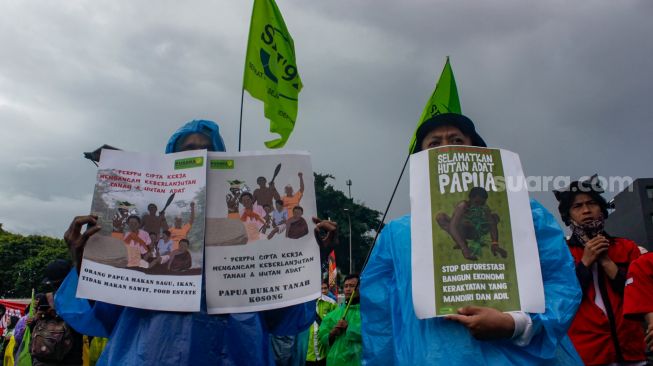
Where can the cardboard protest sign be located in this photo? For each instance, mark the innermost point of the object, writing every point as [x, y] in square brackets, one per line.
[260, 248]
[149, 253]
[473, 241]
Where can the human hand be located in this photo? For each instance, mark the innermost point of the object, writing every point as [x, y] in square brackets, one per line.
[300, 174]
[340, 328]
[326, 232]
[342, 324]
[192, 204]
[594, 248]
[76, 240]
[485, 323]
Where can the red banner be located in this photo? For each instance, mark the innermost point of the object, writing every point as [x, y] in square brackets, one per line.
[333, 273]
[15, 307]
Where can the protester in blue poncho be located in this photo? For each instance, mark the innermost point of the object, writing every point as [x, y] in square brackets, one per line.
[393, 335]
[145, 337]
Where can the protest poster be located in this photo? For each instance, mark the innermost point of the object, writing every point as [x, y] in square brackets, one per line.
[260, 248]
[473, 241]
[149, 253]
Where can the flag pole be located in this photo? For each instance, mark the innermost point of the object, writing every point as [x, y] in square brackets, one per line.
[240, 126]
[349, 302]
[242, 90]
[378, 229]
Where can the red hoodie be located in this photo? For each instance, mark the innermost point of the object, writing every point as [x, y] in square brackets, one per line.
[600, 338]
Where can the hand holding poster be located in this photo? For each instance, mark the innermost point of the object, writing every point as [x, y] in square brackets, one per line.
[260, 248]
[149, 252]
[473, 241]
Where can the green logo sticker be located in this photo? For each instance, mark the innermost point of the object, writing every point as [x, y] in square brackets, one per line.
[189, 163]
[445, 311]
[222, 164]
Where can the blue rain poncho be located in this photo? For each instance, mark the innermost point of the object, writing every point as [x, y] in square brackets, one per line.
[147, 337]
[393, 335]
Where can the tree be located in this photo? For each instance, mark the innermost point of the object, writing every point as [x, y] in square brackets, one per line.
[331, 203]
[23, 260]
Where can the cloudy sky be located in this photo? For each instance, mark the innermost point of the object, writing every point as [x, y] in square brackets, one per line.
[567, 85]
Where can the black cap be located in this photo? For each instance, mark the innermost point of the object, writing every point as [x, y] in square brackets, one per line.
[56, 272]
[464, 124]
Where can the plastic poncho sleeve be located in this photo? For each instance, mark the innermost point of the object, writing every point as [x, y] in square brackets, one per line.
[562, 292]
[376, 316]
[346, 349]
[19, 331]
[327, 325]
[353, 331]
[95, 320]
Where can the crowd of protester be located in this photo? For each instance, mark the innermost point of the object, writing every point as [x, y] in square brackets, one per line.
[598, 294]
[41, 337]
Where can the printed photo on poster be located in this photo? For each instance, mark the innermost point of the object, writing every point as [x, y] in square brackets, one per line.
[151, 210]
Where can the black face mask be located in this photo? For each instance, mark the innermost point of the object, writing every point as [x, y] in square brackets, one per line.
[588, 230]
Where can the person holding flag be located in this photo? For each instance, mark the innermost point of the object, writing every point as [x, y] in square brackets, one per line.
[340, 331]
[391, 332]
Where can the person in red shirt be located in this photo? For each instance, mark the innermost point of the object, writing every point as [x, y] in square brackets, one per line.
[599, 331]
[638, 294]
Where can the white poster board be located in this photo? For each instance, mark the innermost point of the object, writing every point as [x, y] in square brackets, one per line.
[260, 255]
[472, 235]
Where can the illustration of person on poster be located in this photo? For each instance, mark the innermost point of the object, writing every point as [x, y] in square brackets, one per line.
[233, 198]
[470, 224]
[266, 194]
[264, 258]
[292, 199]
[153, 222]
[252, 220]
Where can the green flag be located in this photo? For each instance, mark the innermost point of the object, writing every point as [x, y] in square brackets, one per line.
[24, 358]
[443, 100]
[271, 73]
